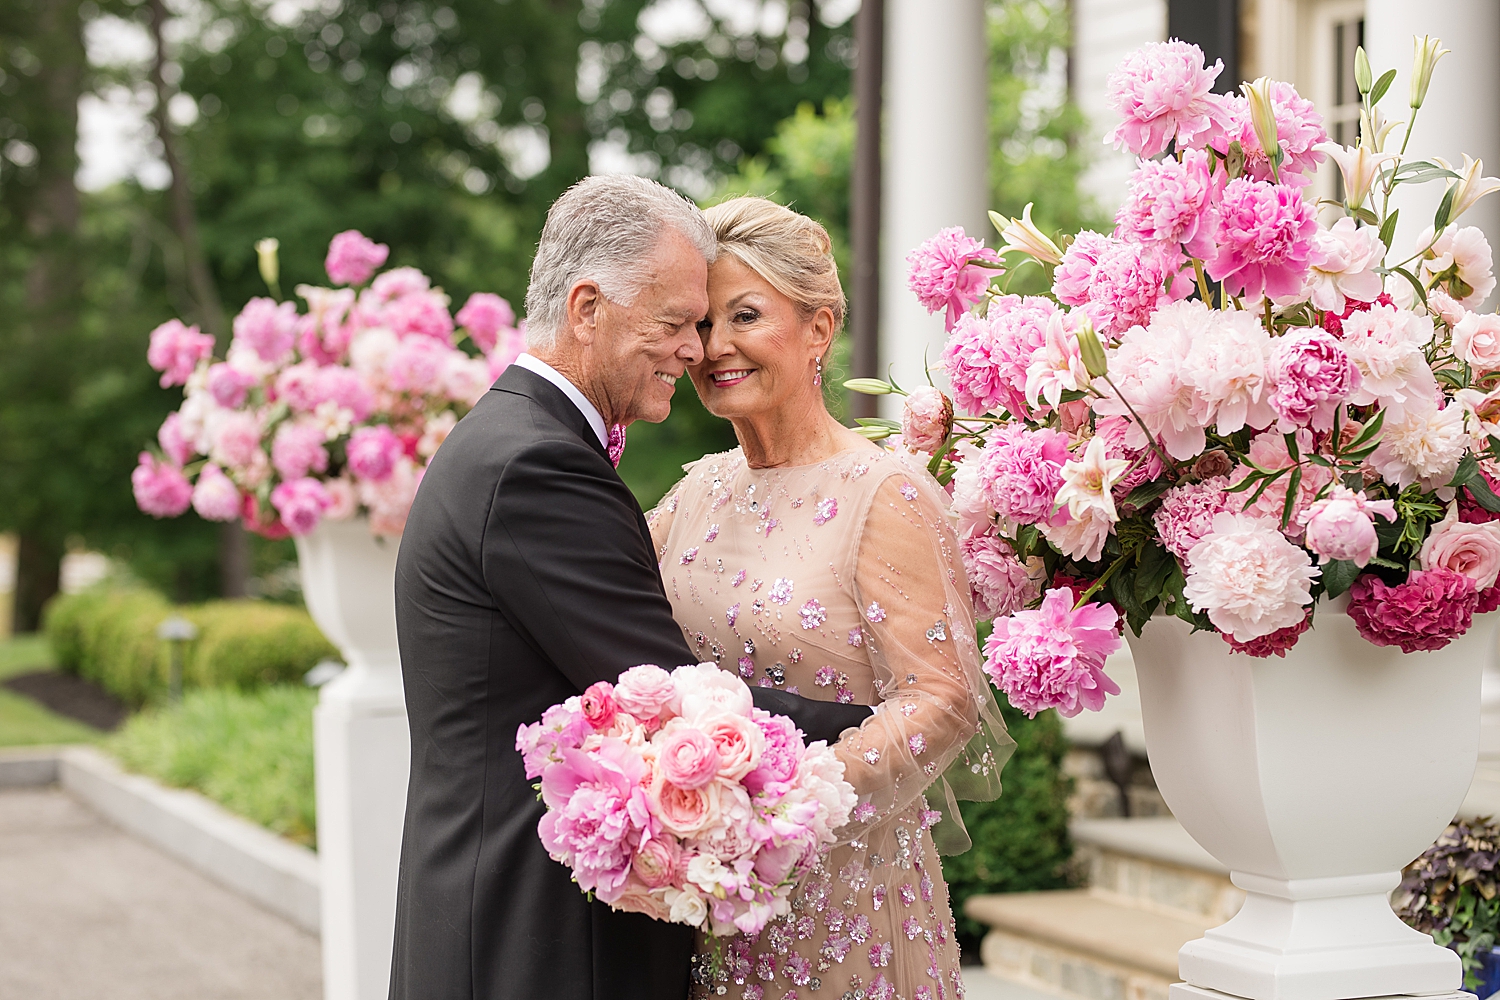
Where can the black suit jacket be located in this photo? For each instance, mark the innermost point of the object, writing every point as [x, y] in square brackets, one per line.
[526, 573]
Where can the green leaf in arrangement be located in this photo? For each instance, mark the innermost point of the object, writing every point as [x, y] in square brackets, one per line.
[1339, 575]
[891, 425]
[1291, 447]
[1146, 492]
[1479, 489]
[1152, 572]
[1445, 209]
[1412, 280]
[1292, 488]
[1388, 228]
[1366, 216]
[1467, 469]
[1368, 432]
[1452, 376]
[1381, 86]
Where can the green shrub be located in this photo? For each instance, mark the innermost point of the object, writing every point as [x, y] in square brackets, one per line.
[109, 636]
[1021, 841]
[250, 751]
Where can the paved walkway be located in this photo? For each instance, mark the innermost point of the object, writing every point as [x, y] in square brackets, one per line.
[86, 911]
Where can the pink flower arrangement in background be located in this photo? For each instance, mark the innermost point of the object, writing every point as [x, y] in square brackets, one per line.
[330, 413]
[670, 794]
[1163, 93]
[944, 274]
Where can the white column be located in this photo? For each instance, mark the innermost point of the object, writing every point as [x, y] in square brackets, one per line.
[1104, 33]
[362, 752]
[936, 162]
[1462, 110]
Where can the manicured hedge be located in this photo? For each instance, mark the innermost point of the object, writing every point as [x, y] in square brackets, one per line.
[109, 636]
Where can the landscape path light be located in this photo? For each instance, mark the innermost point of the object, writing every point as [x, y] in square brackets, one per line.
[178, 631]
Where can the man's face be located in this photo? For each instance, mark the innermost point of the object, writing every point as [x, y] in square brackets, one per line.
[640, 350]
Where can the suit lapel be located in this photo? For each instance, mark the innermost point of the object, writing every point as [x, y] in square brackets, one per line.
[550, 398]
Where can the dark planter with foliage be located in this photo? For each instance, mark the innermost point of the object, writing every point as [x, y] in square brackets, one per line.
[1450, 893]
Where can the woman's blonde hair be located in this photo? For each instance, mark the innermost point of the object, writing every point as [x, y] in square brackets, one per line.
[792, 252]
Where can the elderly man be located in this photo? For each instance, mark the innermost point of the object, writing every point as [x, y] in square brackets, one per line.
[526, 574]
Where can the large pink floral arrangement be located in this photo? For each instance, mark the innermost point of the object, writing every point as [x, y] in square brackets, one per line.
[670, 794]
[328, 413]
[1226, 409]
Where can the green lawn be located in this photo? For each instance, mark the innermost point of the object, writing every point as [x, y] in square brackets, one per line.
[22, 721]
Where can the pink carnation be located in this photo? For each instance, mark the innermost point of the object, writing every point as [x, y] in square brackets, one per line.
[173, 441]
[228, 385]
[1121, 283]
[1053, 657]
[484, 316]
[1299, 128]
[1187, 512]
[1163, 92]
[1431, 609]
[215, 497]
[926, 419]
[1277, 643]
[1021, 471]
[268, 328]
[301, 503]
[942, 276]
[160, 488]
[422, 314]
[986, 358]
[1171, 202]
[298, 449]
[353, 257]
[175, 351]
[1264, 238]
[1313, 375]
[998, 581]
[373, 452]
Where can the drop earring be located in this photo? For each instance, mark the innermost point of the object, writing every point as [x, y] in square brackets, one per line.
[818, 375]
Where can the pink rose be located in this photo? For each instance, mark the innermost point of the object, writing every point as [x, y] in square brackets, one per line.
[228, 385]
[161, 489]
[1476, 339]
[773, 863]
[175, 351]
[926, 419]
[738, 741]
[1342, 526]
[598, 704]
[689, 758]
[1472, 550]
[657, 862]
[644, 691]
[684, 811]
[216, 498]
[353, 257]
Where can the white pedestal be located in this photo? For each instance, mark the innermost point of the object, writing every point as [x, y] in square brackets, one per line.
[363, 754]
[1182, 991]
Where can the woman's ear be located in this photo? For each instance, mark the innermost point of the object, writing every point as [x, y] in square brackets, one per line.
[821, 331]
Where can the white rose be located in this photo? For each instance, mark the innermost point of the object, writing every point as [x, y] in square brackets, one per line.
[687, 907]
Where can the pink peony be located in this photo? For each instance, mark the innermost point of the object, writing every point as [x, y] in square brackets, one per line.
[987, 357]
[1021, 472]
[423, 314]
[1171, 202]
[1313, 375]
[345, 389]
[353, 257]
[1342, 525]
[396, 283]
[1145, 463]
[1148, 383]
[418, 366]
[1269, 451]
[1124, 284]
[1053, 657]
[645, 691]
[1248, 577]
[1070, 282]
[228, 385]
[298, 449]
[215, 497]
[1472, 550]
[1387, 345]
[1163, 93]
[779, 759]
[175, 351]
[1186, 514]
[1225, 365]
[926, 419]
[706, 691]
[236, 441]
[1264, 239]
[598, 704]
[300, 503]
[999, 582]
[1476, 340]
[484, 316]
[389, 499]
[596, 812]
[1277, 643]
[160, 488]
[373, 452]
[510, 345]
[1299, 129]
[1343, 260]
[268, 328]
[342, 501]
[1431, 609]
[943, 276]
[173, 440]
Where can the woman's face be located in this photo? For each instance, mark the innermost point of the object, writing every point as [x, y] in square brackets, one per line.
[758, 349]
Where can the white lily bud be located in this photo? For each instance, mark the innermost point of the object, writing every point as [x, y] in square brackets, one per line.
[1022, 234]
[1470, 186]
[1359, 165]
[267, 256]
[1426, 51]
[1263, 117]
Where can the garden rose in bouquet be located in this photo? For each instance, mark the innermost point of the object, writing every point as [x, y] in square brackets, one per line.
[1225, 409]
[331, 412]
[670, 794]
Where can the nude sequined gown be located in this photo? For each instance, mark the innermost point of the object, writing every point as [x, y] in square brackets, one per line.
[842, 581]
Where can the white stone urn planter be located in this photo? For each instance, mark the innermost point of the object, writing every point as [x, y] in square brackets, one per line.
[1315, 779]
[362, 753]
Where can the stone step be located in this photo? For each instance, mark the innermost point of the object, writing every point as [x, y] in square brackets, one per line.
[1082, 944]
[1153, 864]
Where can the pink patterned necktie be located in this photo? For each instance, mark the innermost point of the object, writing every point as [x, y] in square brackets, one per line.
[616, 444]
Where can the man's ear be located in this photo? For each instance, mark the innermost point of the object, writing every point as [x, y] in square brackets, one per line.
[584, 302]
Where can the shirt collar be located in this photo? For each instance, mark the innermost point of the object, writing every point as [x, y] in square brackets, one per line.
[578, 399]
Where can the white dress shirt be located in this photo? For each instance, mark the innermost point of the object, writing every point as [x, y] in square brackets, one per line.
[557, 378]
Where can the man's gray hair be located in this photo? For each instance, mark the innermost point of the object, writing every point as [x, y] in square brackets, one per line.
[604, 229]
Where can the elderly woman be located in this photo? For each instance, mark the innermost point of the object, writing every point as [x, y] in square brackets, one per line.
[812, 560]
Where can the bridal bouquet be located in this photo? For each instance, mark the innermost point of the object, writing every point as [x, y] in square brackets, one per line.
[669, 794]
[1225, 409]
[330, 413]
